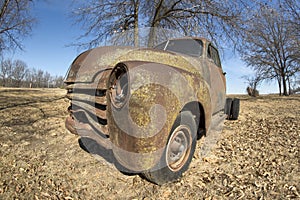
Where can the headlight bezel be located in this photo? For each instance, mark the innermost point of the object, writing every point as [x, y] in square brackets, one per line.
[119, 90]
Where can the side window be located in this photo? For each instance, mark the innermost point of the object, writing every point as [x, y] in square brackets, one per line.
[209, 52]
[214, 55]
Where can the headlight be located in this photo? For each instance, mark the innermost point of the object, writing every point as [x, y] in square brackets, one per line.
[119, 86]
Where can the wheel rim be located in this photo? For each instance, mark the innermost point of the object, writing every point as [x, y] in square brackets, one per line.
[178, 148]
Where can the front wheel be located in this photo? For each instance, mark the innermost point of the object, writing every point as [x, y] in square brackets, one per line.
[178, 152]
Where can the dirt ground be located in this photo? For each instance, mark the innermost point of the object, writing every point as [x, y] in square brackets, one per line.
[256, 157]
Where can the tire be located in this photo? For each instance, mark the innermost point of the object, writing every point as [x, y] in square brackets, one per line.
[228, 107]
[178, 152]
[235, 109]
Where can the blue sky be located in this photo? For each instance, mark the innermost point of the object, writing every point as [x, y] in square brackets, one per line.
[47, 49]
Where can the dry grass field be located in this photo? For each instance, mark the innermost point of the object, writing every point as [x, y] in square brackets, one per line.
[256, 157]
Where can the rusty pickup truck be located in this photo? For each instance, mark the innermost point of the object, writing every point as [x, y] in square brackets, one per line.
[149, 106]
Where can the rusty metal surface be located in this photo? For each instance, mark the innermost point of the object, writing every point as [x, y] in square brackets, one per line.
[87, 66]
[99, 81]
[100, 100]
[85, 130]
[156, 78]
[153, 84]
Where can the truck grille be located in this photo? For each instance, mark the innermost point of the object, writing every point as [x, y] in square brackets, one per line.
[89, 103]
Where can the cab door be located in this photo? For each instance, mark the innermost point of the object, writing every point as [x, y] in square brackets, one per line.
[217, 79]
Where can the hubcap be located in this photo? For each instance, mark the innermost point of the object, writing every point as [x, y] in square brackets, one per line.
[178, 148]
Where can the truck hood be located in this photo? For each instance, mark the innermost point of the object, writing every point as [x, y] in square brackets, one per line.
[89, 64]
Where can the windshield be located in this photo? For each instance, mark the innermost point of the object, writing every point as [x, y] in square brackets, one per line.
[184, 46]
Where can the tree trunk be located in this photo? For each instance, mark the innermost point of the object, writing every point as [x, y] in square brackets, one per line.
[151, 37]
[289, 84]
[4, 7]
[154, 24]
[285, 92]
[3, 82]
[254, 89]
[136, 23]
[279, 85]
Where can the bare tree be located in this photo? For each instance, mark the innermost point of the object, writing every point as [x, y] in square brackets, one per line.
[102, 19]
[39, 78]
[18, 72]
[6, 72]
[295, 86]
[46, 79]
[15, 23]
[271, 45]
[253, 82]
[58, 81]
[29, 78]
[292, 8]
[216, 20]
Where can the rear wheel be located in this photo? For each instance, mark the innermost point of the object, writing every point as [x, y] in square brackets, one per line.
[232, 108]
[235, 109]
[178, 152]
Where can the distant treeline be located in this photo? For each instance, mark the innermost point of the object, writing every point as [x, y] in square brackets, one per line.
[16, 73]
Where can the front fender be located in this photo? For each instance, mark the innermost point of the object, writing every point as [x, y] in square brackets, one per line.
[139, 130]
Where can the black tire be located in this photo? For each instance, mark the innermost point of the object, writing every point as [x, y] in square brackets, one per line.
[235, 109]
[228, 107]
[182, 139]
